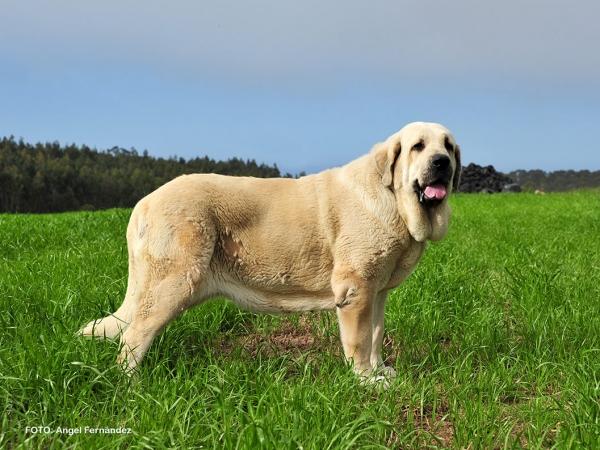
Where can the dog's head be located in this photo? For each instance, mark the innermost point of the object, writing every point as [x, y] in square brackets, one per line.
[421, 165]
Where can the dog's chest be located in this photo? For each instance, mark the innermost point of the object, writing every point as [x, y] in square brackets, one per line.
[405, 263]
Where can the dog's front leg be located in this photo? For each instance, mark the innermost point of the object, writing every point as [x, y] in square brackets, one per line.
[354, 300]
[378, 318]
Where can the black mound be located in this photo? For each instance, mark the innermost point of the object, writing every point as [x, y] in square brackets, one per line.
[475, 178]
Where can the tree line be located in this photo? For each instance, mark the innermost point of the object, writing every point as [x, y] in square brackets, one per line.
[558, 181]
[44, 178]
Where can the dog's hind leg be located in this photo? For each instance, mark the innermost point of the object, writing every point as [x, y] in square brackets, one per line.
[162, 303]
[172, 267]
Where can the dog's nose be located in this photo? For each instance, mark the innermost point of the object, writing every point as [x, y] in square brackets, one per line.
[441, 162]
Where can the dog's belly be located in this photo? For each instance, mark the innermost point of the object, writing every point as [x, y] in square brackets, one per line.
[296, 278]
[268, 300]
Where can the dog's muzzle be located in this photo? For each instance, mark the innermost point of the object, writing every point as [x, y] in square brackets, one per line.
[436, 190]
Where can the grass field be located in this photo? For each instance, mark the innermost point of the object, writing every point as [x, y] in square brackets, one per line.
[495, 339]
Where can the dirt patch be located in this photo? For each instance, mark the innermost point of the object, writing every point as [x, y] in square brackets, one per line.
[292, 336]
[291, 341]
[438, 432]
[427, 432]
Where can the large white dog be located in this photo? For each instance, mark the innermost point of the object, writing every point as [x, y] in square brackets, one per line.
[340, 239]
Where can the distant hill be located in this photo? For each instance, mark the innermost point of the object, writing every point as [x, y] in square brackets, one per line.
[559, 181]
[45, 178]
[48, 177]
[476, 178]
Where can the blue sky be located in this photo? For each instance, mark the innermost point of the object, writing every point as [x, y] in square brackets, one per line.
[306, 85]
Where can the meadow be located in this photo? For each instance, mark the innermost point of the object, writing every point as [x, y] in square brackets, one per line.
[495, 339]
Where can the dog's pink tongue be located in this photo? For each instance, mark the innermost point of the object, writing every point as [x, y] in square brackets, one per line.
[435, 191]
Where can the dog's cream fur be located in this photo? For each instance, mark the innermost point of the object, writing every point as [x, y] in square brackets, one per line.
[340, 239]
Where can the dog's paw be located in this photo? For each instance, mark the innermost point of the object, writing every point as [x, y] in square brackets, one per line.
[380, 379]
[387, 372]
[382, 382]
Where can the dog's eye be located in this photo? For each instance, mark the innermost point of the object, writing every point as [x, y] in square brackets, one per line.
[448, 145]
[418, 146]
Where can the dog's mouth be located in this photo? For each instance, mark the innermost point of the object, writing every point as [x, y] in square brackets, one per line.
[432, 193]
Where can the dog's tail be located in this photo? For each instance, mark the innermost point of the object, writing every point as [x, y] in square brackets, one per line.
[114, 324]
[109, 326]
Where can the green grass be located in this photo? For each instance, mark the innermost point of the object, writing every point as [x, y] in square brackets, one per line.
[495, 339]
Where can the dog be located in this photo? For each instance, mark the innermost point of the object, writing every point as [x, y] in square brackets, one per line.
[337, 240]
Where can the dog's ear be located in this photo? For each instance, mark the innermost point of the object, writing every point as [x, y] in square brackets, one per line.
[386, 154]
[458, 170]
